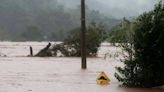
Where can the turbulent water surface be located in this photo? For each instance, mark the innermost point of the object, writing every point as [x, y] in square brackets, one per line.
[19, 73]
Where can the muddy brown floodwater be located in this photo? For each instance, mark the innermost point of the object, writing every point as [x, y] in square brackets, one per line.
[57, 74]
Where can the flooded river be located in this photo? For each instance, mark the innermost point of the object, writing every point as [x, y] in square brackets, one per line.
[19, 73]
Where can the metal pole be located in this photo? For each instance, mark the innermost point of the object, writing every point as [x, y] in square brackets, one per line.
[83, 29]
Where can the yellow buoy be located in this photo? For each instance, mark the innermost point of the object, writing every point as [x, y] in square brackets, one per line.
[102, 79]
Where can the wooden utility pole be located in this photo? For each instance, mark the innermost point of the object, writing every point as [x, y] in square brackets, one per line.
[83, 29]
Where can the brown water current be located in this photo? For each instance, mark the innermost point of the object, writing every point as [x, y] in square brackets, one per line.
[57, 74]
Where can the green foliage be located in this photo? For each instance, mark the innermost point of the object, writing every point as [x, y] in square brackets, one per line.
[145, 69]
[50, 16]
[32, 34]
[3, 34]
[95, 34]
[57, 36]
[122, 32]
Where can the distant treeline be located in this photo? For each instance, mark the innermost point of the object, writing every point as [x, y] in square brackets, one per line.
[43, 20]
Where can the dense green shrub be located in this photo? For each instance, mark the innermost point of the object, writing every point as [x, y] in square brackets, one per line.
[95, 34]
[145, 69]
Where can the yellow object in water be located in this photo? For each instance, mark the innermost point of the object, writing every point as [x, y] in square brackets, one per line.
[102, 79]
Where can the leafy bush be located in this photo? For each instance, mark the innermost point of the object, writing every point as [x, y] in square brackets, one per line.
[95, 34]
[145, 69]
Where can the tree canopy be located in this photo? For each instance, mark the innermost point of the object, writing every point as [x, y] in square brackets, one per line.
[95, 34]
[53, 20]
[145, 69]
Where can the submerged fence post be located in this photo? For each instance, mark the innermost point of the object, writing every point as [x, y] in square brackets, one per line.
[31, 51]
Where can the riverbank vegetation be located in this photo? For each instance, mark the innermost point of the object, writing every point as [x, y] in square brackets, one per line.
[95, 34]
[143, 39]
